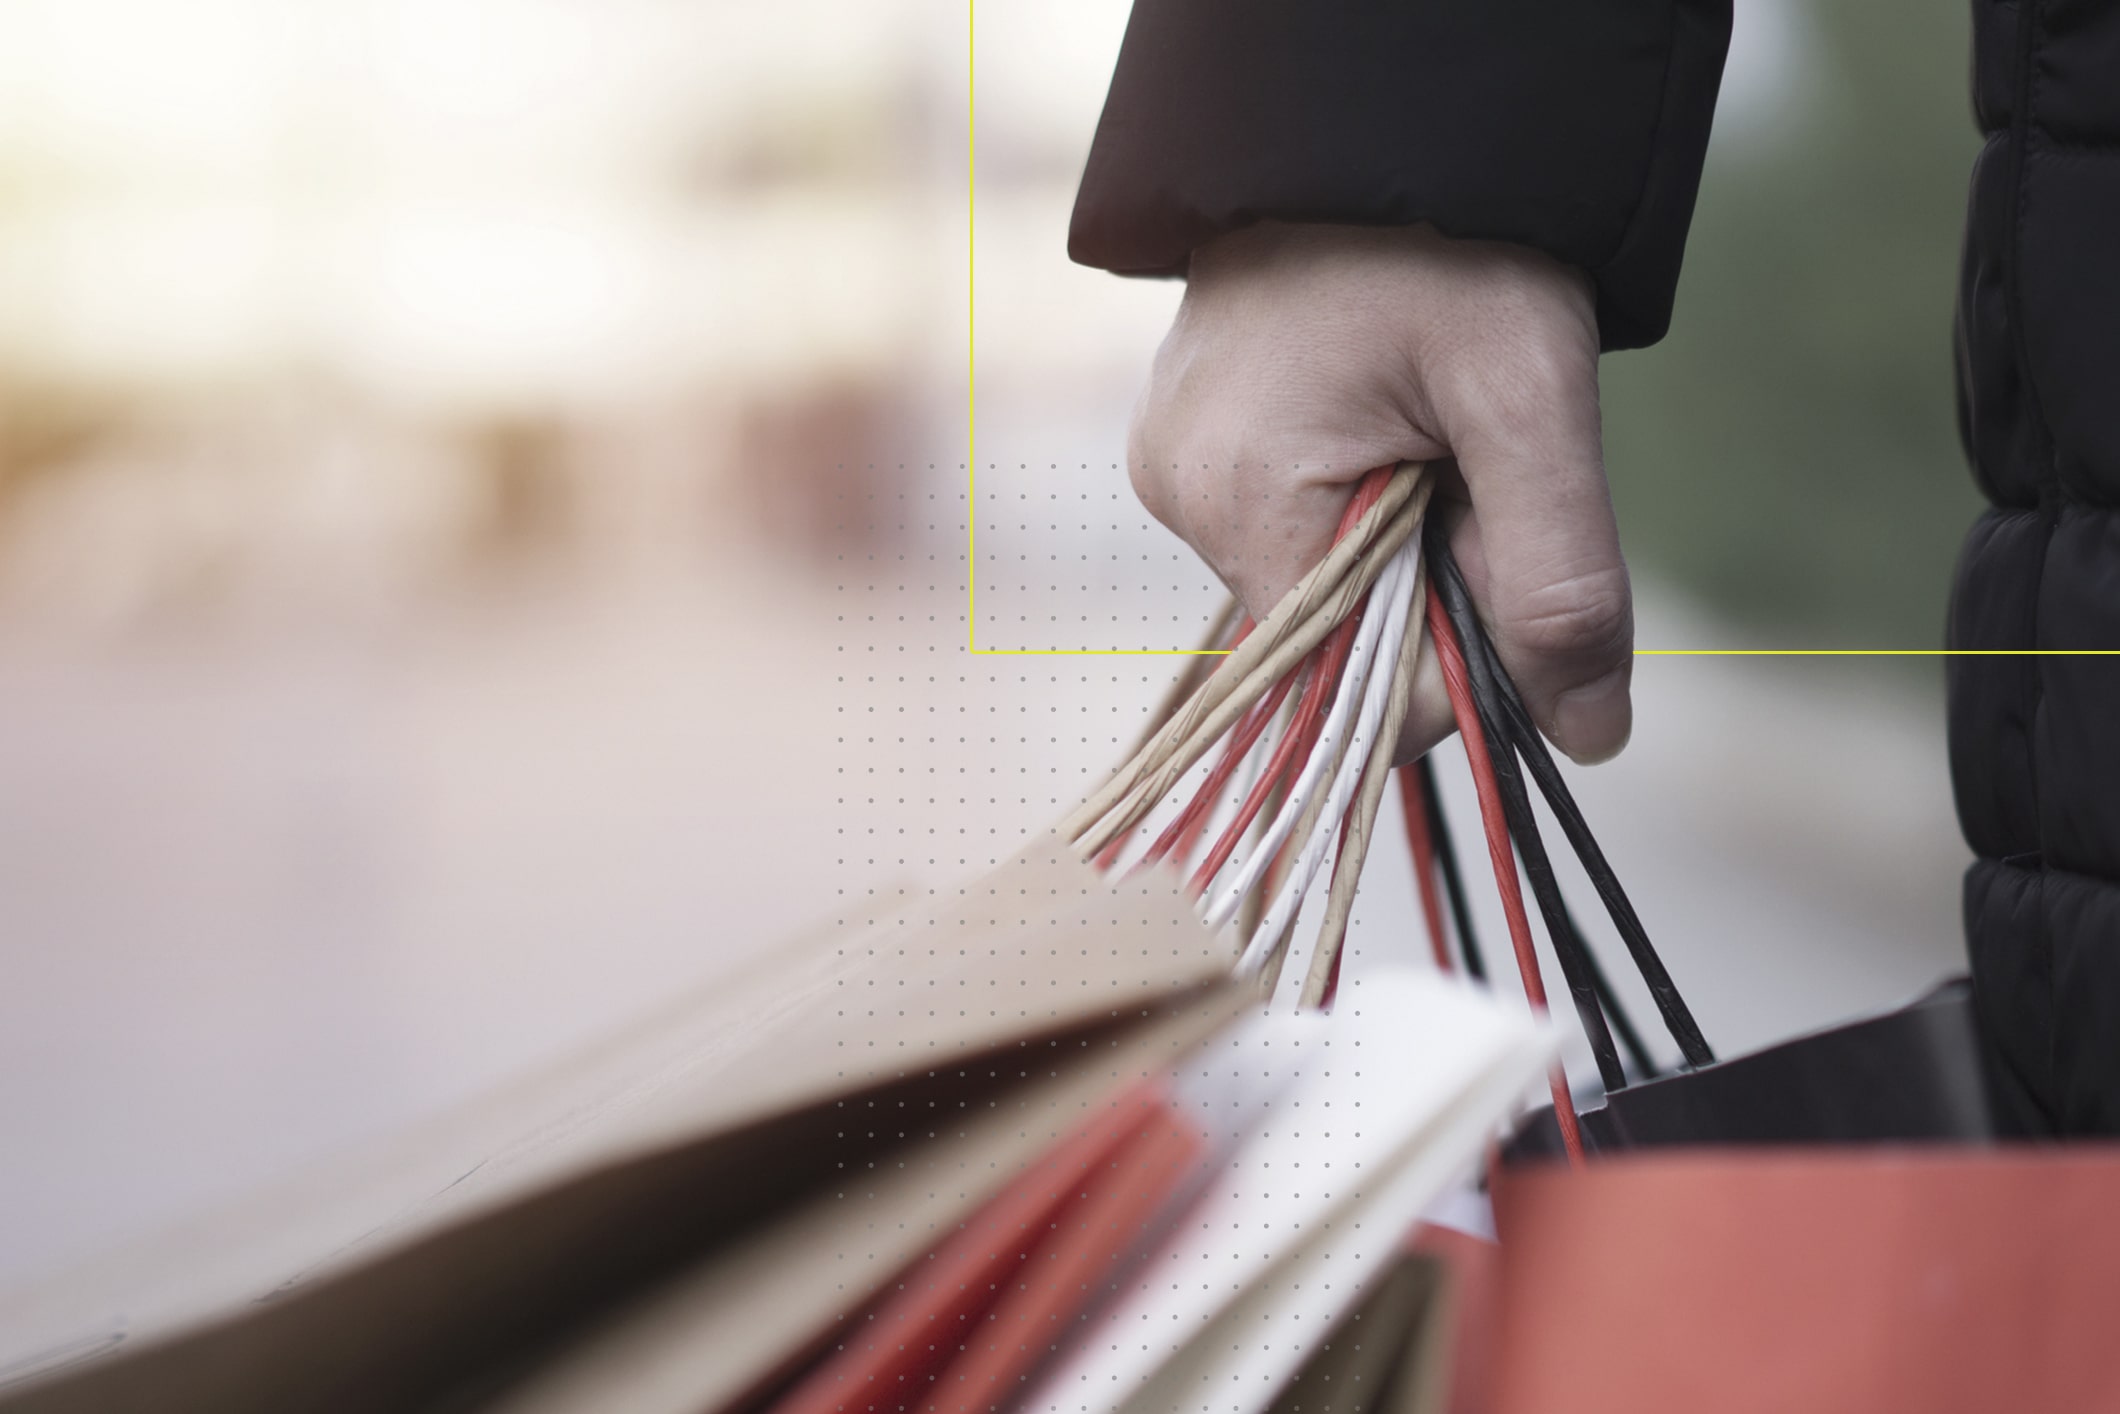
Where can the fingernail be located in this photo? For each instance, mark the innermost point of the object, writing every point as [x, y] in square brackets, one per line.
[1591, 723]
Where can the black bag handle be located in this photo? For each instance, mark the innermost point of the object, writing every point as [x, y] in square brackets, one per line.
[1447, 864]
[1504, 719]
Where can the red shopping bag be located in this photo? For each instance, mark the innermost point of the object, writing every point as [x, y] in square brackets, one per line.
[1473, 1266]
[958, 1331]
[1856, 1280]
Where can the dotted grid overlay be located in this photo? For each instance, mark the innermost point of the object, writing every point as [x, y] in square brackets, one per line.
[948, 763]
[954, 902]
[1069, 561]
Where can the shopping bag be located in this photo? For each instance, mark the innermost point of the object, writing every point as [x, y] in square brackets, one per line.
[1386, 1356]
[1832, 1281]
[1910, 1075]
[1419, 1075]
[450, 1256]
[1422, 1344]
[1394, 1099]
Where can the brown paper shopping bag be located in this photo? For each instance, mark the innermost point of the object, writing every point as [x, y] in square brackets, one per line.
[960, 1028]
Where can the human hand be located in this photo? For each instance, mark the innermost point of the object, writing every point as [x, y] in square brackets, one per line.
[1302, 356]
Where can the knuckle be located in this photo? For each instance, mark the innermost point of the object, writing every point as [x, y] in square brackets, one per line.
[1522, 391]
[1167, 478]
[1586, 618]
[1141, 469]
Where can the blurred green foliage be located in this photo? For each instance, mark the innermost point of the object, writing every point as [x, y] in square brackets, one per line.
[1790, 452]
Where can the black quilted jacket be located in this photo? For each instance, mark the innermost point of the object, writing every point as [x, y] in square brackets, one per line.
[1580, 128]
[2035, 747]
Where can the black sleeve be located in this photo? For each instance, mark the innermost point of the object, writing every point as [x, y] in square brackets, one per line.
[1576, 126]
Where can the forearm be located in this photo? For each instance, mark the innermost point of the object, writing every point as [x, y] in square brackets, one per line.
[1576, 127]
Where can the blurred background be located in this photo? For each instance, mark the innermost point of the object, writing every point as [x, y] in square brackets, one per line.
[482, 509]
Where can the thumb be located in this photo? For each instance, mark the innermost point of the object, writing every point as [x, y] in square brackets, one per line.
[1541, 555]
